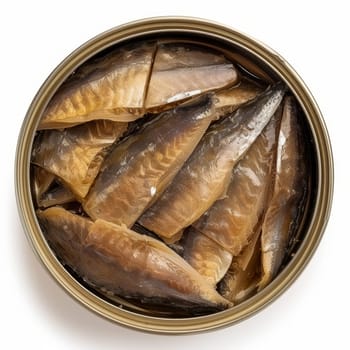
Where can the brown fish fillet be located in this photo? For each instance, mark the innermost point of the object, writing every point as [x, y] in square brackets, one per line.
[112, 87]
[228, 100]
[66, 233]
[75, 154]
[288, 194]
[231, 221]
[249, 66]
[181, 71]
[138, 170]
[139, 266]
[206, 175]
[121, 261]
[57, 195]
[40, 180]
[205, 256]
[243, 276]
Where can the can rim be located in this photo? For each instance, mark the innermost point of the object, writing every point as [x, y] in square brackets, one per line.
[186, 25]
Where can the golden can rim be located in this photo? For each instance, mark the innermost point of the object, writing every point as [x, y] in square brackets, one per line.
[181, 25]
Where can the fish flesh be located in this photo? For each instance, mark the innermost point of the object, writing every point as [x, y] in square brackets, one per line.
[47, 190]
[139, 169]
[231, 221]
[181, 71]
[132, 80]
[112, 87]
[121, 261]
[41, 181]
[66, 234]
[75, 154]
[58, 195]
[229, 100]
[289, 191]
[205, 255]
[242, 278]
[206, 175]
[144, 268]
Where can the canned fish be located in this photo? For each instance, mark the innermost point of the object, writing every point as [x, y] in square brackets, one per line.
[174, 175]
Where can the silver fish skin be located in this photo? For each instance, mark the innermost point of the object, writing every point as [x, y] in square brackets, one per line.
[206, 175]
[289, 191]
[232, 221]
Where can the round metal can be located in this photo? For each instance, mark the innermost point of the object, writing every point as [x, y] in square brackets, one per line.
[250, 53]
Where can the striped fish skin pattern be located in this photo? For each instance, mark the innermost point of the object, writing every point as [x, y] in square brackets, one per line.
[133, 80]
[206, 175]
[75, 154]
[231, 221]
[138, 170]
[113, 258]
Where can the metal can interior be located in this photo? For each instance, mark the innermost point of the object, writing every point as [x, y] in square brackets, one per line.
[240, 47]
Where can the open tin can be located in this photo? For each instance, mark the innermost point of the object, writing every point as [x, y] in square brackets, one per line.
[250, 55]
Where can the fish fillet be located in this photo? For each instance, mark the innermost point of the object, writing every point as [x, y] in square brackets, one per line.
[75, 154]
[231, 221]
[288, 193]
[205, 256]
[112, 88]
[181, 71]
[114, 258]
[138, 170]
[205, 177]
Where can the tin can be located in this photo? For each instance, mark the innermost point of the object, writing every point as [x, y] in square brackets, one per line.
[260, 60]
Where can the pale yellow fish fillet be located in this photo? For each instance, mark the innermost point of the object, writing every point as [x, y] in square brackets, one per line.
[75, 154]
[205, 256]
[112, 87]
[288, 193]
[121, 261]
[205, 177]
[231, 221]
[149, 267]
[181, 71]
[138, 170]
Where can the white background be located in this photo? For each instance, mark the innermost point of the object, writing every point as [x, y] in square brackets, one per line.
[313, 38]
